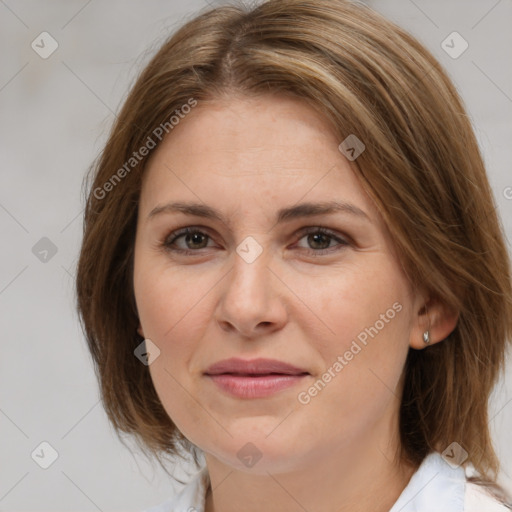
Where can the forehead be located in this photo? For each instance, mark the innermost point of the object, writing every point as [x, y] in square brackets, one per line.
[251, 153]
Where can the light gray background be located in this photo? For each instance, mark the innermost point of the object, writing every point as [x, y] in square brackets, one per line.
[55, 114]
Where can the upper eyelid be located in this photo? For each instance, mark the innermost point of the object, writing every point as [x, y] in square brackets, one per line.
[175, 233]
[301, 232]
[206, 230]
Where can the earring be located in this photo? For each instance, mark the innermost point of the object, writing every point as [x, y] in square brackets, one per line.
[426, 337]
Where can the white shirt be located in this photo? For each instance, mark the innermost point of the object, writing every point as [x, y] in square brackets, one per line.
[434, 487]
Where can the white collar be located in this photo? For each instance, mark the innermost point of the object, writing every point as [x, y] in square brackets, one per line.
[434, 487]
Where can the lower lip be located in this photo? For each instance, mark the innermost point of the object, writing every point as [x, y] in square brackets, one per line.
[243, 386]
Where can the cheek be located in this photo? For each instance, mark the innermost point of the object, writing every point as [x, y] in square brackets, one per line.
[367, 312]
[173, 316]
[175, 312]
[166, 298]
[357, 300]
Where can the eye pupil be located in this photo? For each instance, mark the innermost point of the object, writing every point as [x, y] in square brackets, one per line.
[317, 236]
[192, 237]
[319, 241]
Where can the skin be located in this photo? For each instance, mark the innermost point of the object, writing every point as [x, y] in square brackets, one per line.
[248, 158]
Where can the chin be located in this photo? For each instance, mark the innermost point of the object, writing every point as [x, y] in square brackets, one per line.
[258, 454]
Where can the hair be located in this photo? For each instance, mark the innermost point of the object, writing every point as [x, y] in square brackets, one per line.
[422, 167]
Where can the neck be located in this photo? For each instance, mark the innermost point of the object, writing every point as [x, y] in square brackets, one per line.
[355, 480]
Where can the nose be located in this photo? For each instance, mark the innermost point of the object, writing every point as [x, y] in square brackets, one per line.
[252, 299]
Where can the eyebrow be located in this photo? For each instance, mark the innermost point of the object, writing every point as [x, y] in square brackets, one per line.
[283, 215]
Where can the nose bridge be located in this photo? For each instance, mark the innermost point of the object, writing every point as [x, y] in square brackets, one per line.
[249, 295]
[250, 276]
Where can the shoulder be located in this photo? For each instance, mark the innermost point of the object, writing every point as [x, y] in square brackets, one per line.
[477, 498]
[438, 486]
[434, 487]
[190, 498]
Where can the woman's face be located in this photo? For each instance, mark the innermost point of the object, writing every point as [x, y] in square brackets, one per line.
[264, 283]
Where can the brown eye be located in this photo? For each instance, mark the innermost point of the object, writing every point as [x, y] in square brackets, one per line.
[193, 240]
[319, 241]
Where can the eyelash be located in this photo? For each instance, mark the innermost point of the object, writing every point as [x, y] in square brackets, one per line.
[175, 235]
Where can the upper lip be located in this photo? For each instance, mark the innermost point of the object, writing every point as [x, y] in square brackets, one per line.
[259, 366]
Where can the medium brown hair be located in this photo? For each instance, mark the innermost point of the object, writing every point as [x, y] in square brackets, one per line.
[422, 167]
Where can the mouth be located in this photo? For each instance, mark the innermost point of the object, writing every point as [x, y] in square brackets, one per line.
[257, 378]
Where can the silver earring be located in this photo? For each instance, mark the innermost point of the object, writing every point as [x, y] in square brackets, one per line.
[426, 337]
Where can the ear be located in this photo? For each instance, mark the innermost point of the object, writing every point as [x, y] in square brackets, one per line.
[140, 331]
[436, 317]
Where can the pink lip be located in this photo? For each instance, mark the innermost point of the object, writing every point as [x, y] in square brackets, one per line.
[256, 378]
[253, 366]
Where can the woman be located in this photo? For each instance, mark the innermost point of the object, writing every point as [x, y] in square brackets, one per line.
[292, 265]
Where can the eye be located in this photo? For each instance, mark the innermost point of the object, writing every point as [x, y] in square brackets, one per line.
[193, 239]
[319, 239]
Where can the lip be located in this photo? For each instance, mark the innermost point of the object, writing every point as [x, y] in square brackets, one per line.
[259, 366]
[255, 378]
